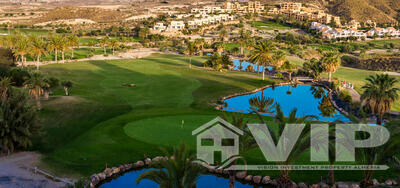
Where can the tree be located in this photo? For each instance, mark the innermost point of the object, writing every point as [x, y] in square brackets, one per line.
[178, 172]
[288, 67]
[262, 54]
[330, 62]
[5, 85]
[113, 44]
[37, 48]
[52, 83]
[18, 121]
[67, 85]
[262, 104]
[72, 41]
[313, 68]
[190, 51]
[21, 47]
[54, 44]
[199, 43]
[36, 84]
[279, 58]
[223, 34]
[103, 42]
[380, 93]
[63, 46]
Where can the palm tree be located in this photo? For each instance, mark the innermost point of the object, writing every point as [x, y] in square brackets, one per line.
[21, 47]
[223, 34]
[67, 85]
[73, 41]
[37, 48]
[178, 172]
[5, 84]
[54, 44]
[380, 93]
[199, 43]
[18, 121]
[262, 55]
[63, 46]
[113, 44]
[288, 67]
[190, 51]
[262, 104]
[36, 84]
[279, 58]
[330, 62]
[103, 42]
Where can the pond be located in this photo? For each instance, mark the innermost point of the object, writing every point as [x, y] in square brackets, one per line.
[129, 180]
[309, 100]
[245, 64]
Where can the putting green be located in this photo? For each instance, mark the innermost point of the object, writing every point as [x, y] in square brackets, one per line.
[167, 130]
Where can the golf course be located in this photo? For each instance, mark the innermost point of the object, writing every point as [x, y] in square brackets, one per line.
[107, 122]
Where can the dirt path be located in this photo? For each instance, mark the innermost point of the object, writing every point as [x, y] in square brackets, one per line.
[14, 172]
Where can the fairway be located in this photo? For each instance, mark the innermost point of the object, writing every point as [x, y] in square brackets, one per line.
[268, 25]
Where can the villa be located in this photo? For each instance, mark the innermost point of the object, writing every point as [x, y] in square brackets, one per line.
[330, 33]
[247, 7]
[381, 32]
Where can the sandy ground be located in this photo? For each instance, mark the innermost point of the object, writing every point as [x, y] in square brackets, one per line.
[14, 172]
[130, 54]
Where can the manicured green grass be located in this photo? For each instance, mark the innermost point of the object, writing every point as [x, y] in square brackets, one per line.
[105, 123]
[268, 25]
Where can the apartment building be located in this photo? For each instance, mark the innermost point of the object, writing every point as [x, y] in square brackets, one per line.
[381, 32]
[245, 7]
[290, 6]
[330, 33]
[159, 27]
[210, 19]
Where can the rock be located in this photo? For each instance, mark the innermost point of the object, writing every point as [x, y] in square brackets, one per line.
[139, 164]
[122, 168]
[241, 175]
[375, 182]
[211, 169]
[389, 182]
[323, 185]
[115, 170]
[94, 179]
[266, 180]
[101, 176]
[257, 179]
[147, 161]
[248, 178]
[219, 170]
[158, 158]
[294, 185]
[354, 185]
[394, 182]
[225, 171]
[108, 172]
[273, 183]
[314, 186]
[341, 185]
[302, 185]
[128, 167]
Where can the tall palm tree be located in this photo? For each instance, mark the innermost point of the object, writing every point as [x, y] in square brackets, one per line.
[54, 44]
[18, 121]
[63, 46]
[103, 42]
[5, 84]
[113, 44]
[37, 48]
[279, 58]
[178, 172]
[380, 93]
[21, 48]
[190, 51]
[36, 83]
[289, 68]
[223, 34]
[199, 43]
[73, 41]
[262, 55]
[330, 62]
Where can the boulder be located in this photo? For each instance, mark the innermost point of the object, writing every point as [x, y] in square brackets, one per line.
[323, 185]
[94, 179]
[211, 169]
[375, 182]
[225, 171]
[302, 185]
[101, 176]
[158, 158]
[354, 185]
[314, 186]
[389, 182]
[219, 170]
[273, 183]
[248, 178]
[294, 185]
[257, 179]
[128, 167]
[139, 164]
[241, 175]
[394, 182]
[147, 161]
[266, 180]
[108, 172]
[122, 168]
[115, 170]
[341, 185]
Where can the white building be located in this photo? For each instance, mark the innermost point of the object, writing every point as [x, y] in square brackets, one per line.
[176, 26]
[160, 27]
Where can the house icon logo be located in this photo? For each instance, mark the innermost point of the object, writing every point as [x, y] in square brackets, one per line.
[217, 139]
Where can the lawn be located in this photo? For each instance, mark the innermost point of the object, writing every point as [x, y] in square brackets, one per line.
[268, 25]
[105, 123]
[26, 31]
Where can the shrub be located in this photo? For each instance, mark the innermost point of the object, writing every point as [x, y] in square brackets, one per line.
[345, 96]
